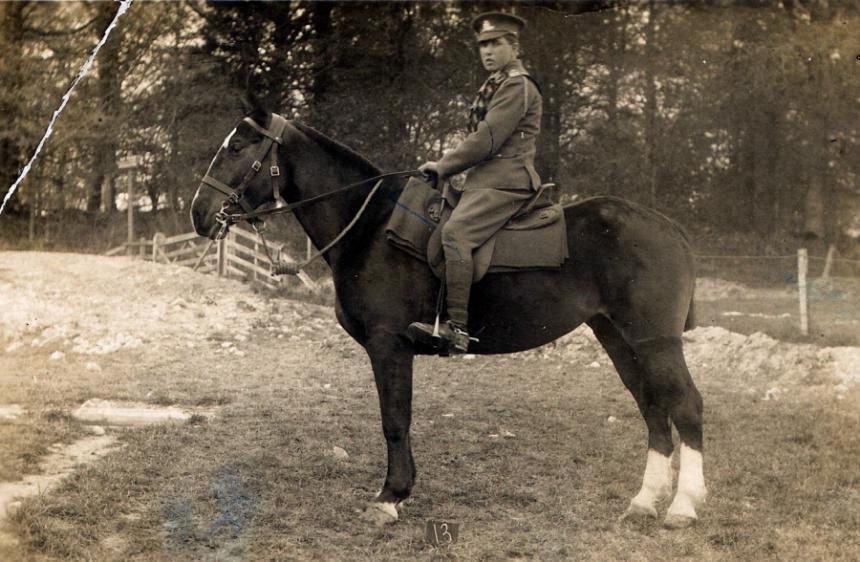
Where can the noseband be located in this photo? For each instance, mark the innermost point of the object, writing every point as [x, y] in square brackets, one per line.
[235, 196]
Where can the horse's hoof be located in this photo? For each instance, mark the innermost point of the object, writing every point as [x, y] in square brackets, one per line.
[676, 521]
[636, 511]
[380, 514]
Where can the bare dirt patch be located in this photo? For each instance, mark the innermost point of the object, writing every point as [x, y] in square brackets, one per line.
[128, 413]
[91, 305]
[56, 466]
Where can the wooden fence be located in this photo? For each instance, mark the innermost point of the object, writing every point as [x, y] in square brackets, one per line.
[239, 255]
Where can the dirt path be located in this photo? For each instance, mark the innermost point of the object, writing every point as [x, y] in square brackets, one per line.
[55, 467]
[75, 328]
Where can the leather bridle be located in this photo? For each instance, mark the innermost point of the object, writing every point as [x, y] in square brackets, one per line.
[236, 196]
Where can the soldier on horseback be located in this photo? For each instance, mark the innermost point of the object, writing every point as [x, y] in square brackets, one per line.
[499, 152]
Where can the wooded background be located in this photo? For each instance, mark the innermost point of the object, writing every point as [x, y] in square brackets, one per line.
[738, 119]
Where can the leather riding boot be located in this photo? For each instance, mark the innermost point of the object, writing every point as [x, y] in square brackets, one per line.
[452, 336]
[458, 285]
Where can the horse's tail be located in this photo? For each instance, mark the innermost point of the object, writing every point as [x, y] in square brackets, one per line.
[690, 323]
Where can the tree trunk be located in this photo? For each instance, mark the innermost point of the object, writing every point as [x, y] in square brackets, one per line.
[813, 210]
[152, 192]
[110, 100]
[651, 53]
[551, 63]
[767, 152]
[12, 20]
[31, 223]
[326, 57]
[617, 47]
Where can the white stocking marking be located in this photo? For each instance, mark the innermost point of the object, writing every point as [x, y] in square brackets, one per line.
[657, 482]
[389, 508]
[691, 484]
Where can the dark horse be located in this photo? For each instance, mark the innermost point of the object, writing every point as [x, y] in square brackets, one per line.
[629, 277]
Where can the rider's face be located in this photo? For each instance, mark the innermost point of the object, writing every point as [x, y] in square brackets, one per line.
[497, 53]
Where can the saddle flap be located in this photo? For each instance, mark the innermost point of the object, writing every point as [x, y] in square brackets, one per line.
[534, 240]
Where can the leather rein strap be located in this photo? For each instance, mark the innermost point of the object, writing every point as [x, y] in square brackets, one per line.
[250, 215]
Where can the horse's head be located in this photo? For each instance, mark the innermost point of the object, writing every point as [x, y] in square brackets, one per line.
[244, 175]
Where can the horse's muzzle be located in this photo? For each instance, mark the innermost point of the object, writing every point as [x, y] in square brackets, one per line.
[203, 213]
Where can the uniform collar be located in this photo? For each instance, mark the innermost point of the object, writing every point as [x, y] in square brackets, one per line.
[513, 68]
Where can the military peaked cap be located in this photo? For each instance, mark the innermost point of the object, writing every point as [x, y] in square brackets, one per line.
[491, 25]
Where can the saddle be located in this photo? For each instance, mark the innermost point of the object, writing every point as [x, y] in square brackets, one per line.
[534, 238]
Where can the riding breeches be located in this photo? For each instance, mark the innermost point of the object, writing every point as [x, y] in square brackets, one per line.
[479, 214]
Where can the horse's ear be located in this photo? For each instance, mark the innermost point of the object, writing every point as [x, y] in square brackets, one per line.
[254, 108]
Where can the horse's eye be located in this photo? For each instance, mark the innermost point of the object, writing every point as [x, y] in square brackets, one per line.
[235, 147]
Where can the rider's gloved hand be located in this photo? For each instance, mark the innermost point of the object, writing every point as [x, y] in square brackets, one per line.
[430, 172]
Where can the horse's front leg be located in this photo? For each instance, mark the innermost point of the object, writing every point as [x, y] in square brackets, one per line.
[391, 358]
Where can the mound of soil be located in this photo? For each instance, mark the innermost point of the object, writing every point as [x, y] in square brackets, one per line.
[716, 353]
[96, 305]
[758, 357]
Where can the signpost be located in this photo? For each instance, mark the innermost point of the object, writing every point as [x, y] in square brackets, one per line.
[130, 163]
[802, 270]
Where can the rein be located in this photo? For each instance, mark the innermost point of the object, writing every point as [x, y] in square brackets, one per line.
[280, 267]
[254, 217]
[283, 209]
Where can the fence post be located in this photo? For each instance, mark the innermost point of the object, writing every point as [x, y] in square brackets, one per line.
[221, 251]
[256, 263]
[155, 241]
[142, 248]
[130, 180]
[802, 269]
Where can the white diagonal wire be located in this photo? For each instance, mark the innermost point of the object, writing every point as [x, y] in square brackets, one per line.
[124, 5]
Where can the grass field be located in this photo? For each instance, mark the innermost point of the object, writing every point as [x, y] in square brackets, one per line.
[258, 481]
[833, 321]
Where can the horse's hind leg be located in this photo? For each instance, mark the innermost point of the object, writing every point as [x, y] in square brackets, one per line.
[657, 481]
[669, 385]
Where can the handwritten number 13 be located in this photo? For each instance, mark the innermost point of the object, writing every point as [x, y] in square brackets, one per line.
[445, 533]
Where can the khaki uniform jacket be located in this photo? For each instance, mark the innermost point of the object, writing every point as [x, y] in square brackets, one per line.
[501, 151]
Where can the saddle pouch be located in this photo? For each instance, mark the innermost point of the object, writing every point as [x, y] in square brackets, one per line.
[412, 221]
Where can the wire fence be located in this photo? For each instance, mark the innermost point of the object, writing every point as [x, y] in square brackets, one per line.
[814, 297]
[802, 293]
[775, 269]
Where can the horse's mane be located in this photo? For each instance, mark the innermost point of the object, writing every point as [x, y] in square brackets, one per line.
[338, 148]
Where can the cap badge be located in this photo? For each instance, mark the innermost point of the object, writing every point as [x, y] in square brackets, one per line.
[488, 26]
